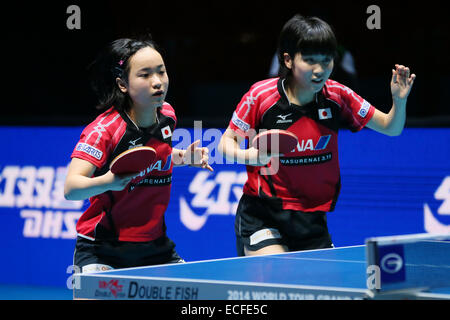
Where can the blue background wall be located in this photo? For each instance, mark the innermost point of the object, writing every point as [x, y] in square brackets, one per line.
[389, 187]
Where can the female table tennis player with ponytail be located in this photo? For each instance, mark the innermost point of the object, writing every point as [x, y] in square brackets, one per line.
[286, 211]
[124, 223]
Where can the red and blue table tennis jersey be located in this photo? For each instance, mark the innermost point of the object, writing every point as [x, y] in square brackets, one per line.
[308, 178]
[137, 212]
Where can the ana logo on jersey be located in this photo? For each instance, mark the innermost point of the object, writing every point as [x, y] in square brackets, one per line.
[308, 144]
[158, 166]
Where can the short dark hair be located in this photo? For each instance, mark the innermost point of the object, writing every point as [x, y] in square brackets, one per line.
[305, 35]
[114, 62]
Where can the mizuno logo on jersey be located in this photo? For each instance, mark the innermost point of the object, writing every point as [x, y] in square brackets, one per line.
[283, 118]
[133, 143]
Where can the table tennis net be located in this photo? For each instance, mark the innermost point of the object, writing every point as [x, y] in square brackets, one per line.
[413, 263]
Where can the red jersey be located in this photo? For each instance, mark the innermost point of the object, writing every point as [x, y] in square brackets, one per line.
[308, 178]
[137, 212]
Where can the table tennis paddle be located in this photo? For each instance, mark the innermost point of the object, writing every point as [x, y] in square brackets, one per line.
[133, 160]
[275, 140]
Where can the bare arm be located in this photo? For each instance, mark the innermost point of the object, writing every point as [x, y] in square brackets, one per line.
[229, 147]
[80, 184]
[192, 156]
[392, 123]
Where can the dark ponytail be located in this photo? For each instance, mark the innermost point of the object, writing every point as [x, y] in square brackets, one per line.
[112, 63]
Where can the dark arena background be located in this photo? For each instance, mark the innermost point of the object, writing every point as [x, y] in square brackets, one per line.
[214, 51]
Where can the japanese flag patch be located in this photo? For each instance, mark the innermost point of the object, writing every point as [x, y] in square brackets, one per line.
[166, 132]
[325, 114]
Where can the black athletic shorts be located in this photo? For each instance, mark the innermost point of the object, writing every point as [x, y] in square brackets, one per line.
[99, 255]
[260, 223]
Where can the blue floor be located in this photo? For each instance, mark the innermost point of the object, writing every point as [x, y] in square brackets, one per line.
[18, 292]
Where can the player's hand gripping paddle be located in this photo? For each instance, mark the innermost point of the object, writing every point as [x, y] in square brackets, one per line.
[133, 160]
[276, 141]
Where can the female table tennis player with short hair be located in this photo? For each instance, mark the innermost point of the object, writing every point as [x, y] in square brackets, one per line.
[124, 223]
[286, 211]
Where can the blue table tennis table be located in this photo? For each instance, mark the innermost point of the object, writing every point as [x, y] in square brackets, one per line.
[326, 274]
